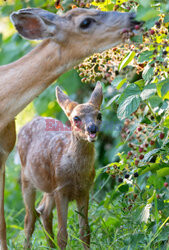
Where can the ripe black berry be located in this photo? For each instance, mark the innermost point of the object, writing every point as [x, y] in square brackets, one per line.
[127, 176]
[135, 174]
[120, 180]
[165, 52]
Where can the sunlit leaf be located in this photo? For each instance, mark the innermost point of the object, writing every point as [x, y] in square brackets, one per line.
[127, 60]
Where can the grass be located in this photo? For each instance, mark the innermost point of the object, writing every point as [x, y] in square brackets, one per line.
[113, 223]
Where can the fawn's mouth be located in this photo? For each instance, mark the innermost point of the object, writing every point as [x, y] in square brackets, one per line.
[92, 137]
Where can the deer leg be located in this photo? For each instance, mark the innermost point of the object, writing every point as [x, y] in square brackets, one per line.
[29, 194]
[62, 210]
[45, 209]
[3, 244]
[82, 205]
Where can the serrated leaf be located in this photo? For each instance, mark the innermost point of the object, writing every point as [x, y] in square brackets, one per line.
[145, 56]
[148, 73]
[128, 58]
[165, 88]
[155, 101]
[149, 155]
[148, 91]
[131, 90]
[159, 86]
[128, 106]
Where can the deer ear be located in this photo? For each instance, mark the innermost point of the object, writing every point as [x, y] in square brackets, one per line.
[64, 101]
[97, 96]
[36, 24]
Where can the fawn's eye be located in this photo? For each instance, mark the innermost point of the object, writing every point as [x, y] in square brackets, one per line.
[99, 116]
[86, 23]
[76, 119]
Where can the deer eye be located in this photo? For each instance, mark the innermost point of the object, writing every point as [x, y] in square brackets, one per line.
[86, 23]
[76, 119]
[99, 116]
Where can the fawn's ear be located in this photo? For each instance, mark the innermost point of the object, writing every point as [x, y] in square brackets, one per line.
[64, 101]
[37, 24]
[97, 96]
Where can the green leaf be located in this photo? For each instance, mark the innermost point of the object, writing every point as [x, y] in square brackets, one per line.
[128, 106]
[163, 172]
[112, 222]
[155, 181]
[148, 91]
[150, 23]
[140, 83]
[166, 19]
[118, 82]
[137, 39]
[145, 120]
[0, 38]
[145, 56]
[151, 167]
[145, 13]
[128, 58]
[149, 155]
[165, 87]
[147, 73]
[155, 101]
[123, 188]
[132, 89]
[114, 98]
[70, 80]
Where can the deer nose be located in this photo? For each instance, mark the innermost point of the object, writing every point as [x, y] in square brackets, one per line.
[92, 128]
[133, 21]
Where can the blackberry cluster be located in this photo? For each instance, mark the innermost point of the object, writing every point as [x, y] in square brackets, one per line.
[104, 66]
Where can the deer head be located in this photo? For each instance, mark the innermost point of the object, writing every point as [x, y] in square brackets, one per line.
[85, 118]
[90, 28]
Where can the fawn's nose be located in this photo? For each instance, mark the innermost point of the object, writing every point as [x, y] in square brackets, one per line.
[92, 128]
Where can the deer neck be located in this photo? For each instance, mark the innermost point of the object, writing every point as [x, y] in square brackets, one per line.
[25, 79]
[81, 148]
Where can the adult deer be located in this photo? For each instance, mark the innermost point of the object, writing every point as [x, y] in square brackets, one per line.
[67, 40]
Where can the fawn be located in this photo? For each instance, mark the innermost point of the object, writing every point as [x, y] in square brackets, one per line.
[60, 164]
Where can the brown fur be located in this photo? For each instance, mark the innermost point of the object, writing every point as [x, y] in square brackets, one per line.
[63, 47]
[60, 164]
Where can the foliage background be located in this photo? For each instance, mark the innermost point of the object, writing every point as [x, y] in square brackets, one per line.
[129, 204]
